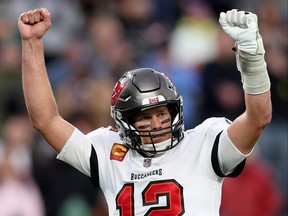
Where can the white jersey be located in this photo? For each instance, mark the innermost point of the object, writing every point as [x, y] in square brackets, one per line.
[185, 180]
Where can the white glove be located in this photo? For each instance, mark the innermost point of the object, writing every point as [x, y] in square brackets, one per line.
[242, 26]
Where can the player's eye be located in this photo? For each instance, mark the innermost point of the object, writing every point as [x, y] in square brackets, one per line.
[162, 114]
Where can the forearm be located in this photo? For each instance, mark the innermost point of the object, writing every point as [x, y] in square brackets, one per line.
[247, 128]
[38, 95]
[256, 84]
[259, 109]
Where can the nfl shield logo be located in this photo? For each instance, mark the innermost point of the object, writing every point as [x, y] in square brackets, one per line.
[147, 162]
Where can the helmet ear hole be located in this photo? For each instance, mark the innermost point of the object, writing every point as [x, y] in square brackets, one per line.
[173, 111]
[130, 117]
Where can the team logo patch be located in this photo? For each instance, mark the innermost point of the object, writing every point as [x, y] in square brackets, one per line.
[118, 152]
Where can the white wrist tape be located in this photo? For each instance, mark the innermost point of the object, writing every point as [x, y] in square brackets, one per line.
[253, 70]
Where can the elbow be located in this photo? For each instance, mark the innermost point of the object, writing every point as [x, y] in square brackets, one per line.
[268, 116]
[260, 121]
[261, 116]
[41, 123]
[269, 119]
[265, 119]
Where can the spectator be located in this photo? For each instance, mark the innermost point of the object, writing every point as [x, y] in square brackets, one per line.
[19, 193]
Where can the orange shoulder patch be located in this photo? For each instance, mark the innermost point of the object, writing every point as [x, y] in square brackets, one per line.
[118, 152]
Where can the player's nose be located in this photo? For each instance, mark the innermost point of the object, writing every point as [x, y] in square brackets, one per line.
[155, 123]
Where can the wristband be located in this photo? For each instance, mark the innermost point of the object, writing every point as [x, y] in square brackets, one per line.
[254, 73]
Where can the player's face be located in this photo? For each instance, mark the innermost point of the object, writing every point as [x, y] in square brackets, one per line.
[153, 120]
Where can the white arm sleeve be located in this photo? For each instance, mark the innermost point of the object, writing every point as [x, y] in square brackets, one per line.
[228, 155]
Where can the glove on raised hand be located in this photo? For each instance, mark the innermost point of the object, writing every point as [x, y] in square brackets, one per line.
[242, 26]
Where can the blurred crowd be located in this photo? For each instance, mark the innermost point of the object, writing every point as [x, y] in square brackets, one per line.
[90, 44]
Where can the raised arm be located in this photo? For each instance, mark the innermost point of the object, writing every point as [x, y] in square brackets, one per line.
[38, 94]
[247, 128]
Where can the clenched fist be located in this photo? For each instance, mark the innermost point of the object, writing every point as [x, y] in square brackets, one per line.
[33, 24]
[242, 26]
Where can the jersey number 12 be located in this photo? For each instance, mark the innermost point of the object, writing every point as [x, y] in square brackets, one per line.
[170, 189]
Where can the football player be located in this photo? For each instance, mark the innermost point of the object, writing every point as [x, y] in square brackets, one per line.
[149, 165]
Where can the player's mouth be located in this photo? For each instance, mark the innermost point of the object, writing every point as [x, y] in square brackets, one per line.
[159, 138]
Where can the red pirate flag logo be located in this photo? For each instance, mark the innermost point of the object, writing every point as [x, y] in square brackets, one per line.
[118, 89]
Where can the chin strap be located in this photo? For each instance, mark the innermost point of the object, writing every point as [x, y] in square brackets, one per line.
[155, 149]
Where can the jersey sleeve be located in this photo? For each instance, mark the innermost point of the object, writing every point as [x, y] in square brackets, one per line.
[77, 151]
[226, 159]
[90, 153]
